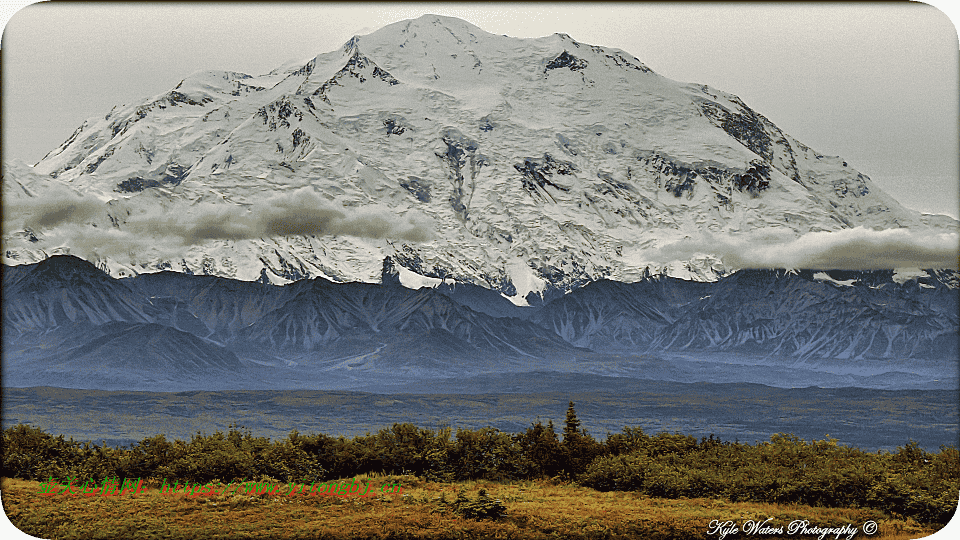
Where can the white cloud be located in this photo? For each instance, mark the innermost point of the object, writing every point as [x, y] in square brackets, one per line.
[846, 249]
[50, 209]
[298, 213]
[82, 223]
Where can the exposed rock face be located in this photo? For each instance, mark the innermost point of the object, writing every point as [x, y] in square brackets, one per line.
[539, 164]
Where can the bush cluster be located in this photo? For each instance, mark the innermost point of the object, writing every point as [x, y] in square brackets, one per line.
[483, 507]
[910, 482]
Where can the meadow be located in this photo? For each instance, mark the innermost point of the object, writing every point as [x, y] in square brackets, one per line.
[534, 509]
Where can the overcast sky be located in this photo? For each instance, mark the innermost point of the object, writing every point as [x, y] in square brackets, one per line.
[875, 83]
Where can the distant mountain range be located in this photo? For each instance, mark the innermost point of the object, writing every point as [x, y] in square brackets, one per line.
[67, 323]
[523, 166]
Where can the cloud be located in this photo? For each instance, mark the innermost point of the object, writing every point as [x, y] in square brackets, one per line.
[93, 243]
[292, 214]
[51, 209]
[846, 249]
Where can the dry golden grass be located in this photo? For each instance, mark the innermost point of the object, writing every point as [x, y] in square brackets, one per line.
[539, 509]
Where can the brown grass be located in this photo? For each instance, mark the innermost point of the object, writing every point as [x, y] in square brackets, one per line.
[539, 509]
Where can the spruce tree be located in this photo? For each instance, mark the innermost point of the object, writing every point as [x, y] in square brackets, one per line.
[571, 430]
[579, 448]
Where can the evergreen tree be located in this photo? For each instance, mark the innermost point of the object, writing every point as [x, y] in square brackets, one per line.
[571, 430]
[579, 448]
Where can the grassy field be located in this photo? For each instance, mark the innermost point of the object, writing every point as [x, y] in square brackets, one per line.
[534, 509]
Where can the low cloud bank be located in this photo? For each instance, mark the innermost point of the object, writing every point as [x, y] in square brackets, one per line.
[50, 210]
[846, 249]
[298, 213]
[294, 214]
[64, 218]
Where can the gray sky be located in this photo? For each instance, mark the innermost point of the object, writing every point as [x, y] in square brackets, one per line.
[875, 83]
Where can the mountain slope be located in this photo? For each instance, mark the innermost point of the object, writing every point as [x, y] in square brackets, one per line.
[64, 290]
[613, 316]
[814, 315]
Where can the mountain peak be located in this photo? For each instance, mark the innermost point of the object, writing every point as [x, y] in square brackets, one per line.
[351, 44]
[428, 26]
[444, 21]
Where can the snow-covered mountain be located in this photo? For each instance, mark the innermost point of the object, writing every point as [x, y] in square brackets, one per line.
[520, 165]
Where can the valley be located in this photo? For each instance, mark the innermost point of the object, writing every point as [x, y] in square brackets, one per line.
[864, 418]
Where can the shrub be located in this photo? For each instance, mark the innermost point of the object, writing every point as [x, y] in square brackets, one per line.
[485, 453]
[483, 507]
[406, 449]
[541, 451]
[617, 473]
[632, 438]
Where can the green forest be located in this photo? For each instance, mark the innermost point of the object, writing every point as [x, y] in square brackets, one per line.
[909, 482]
